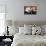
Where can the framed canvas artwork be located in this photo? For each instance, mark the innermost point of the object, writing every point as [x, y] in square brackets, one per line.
[30, 10]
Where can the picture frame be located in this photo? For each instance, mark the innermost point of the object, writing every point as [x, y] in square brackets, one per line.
[30, 10]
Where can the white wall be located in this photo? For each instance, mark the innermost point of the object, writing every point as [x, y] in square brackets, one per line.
[15, 9]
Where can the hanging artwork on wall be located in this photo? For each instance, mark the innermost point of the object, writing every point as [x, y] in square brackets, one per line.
[30, 10]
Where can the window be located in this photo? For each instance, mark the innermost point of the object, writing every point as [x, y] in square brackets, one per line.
[2, 20]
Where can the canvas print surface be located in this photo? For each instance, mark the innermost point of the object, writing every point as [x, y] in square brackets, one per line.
[32, 10]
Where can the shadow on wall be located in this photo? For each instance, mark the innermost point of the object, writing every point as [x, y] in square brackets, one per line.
[21, 23]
